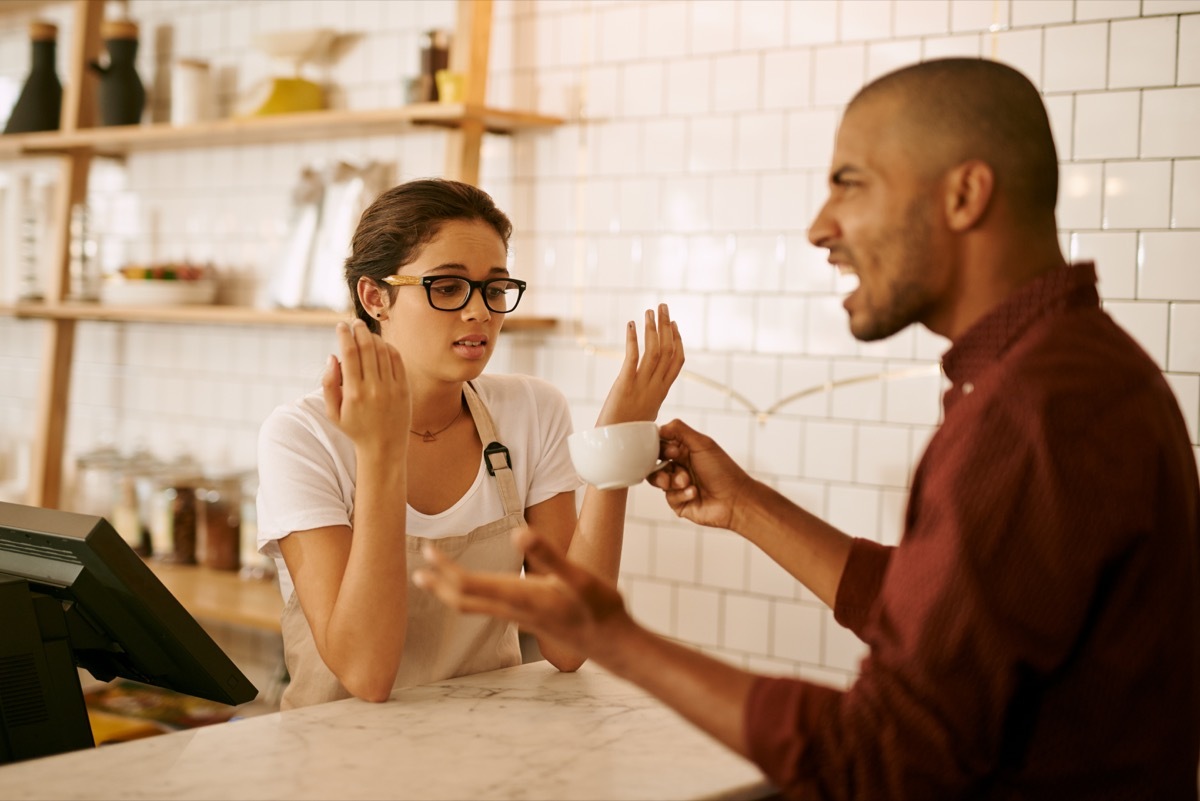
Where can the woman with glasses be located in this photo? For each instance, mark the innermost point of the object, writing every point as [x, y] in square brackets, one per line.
[408, 442]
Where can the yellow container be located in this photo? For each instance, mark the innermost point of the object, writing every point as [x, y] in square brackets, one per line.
[451, 86]
[289, 95]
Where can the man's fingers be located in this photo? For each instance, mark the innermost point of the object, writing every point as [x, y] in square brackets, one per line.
[469, 598]
[678, 499]
[545, 558]
[660, 479]
[680, 434]
[520, 600]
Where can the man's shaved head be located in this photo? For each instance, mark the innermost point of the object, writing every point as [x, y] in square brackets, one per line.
[956, 109]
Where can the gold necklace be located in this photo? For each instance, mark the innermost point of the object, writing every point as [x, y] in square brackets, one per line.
[431, 436]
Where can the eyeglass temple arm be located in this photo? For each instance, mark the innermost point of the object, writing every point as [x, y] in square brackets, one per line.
[402, 280]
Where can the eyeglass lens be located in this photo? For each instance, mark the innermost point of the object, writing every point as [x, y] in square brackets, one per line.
[452, 293]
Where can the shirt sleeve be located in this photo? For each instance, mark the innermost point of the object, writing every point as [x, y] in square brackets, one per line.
[553, 472]
[862, 579]
[987, 592]
[298, 487]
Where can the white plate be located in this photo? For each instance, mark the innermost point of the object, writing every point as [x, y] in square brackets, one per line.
[156, 292]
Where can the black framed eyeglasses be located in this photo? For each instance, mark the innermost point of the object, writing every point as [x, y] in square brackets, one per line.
[451, 293]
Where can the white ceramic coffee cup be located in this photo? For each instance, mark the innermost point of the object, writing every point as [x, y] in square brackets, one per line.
[617, 455]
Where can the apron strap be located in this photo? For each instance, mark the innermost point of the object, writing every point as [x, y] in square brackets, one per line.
[495, 455]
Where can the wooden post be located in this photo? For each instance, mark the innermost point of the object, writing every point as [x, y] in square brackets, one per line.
[54, 388]
[469, 55]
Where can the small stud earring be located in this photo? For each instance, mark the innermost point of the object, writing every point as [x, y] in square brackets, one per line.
[379, 315]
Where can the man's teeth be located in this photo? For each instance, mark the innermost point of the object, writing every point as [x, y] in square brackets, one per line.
[846, 269]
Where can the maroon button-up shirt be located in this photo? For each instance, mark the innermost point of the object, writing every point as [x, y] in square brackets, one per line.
[1036, 634]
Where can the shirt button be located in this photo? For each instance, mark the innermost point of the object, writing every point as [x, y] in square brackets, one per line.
[967, 388]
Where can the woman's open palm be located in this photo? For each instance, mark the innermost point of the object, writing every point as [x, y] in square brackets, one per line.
[642, 383]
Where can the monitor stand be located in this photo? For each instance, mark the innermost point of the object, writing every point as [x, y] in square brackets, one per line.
[42, 710]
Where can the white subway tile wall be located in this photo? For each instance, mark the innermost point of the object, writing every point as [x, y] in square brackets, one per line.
[695, 153]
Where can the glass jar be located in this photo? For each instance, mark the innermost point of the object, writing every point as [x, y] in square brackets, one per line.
[174, 516]
[95, 487]
[219, 521]
[129, 514]
[105, 486]
[254, 564]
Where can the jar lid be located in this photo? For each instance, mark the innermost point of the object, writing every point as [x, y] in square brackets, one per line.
[118, 29]
[225, 479]
[102, 454]
[42, 31]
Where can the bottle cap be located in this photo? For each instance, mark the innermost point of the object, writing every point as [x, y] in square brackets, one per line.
[118, 29]
[42, 31]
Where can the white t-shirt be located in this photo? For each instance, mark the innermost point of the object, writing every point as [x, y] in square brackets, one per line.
[306, 467]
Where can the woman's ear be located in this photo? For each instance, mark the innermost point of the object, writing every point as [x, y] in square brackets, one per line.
[969, 188]
[374, 298]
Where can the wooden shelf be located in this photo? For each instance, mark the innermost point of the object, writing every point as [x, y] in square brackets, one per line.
[77, 143]
[217, 315]
[308, 125]
[23, 6]
[222, 595]
[14, 146]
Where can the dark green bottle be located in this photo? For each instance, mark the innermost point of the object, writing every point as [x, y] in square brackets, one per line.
[121, 95]
[39, 105]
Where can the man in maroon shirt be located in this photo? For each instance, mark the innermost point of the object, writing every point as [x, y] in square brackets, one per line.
[1036, 634]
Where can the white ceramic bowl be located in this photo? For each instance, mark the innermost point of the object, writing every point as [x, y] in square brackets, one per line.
[157, 292]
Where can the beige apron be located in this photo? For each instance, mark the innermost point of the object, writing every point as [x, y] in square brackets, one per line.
[440, 643]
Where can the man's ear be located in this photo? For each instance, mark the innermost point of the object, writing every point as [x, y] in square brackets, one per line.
[373, 297]
[968, 194]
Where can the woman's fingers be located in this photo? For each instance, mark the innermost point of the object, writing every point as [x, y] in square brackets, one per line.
[669, 356]
[630, 364]
[395, 364]
[368, 351]
[331, 386]
[351, 361]
[670, 344]
[675, 365]
[366, 356]
[651, 354]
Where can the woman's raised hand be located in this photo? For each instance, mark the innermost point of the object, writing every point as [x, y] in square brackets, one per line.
[366, 393]
[642, 384]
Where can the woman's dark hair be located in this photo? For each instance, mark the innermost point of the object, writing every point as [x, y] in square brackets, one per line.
[401, 221]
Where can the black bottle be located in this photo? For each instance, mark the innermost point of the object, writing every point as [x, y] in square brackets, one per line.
[435, 55]
[122, 97]
[39, 106]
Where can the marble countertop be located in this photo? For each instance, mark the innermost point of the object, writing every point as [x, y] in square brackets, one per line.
[523, 732]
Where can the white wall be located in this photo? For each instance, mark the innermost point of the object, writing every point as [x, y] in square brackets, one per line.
[696, 155]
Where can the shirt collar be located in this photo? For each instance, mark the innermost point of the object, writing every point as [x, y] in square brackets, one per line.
[1073, 286]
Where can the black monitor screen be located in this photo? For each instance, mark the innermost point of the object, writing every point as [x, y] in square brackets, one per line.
[73, 593]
